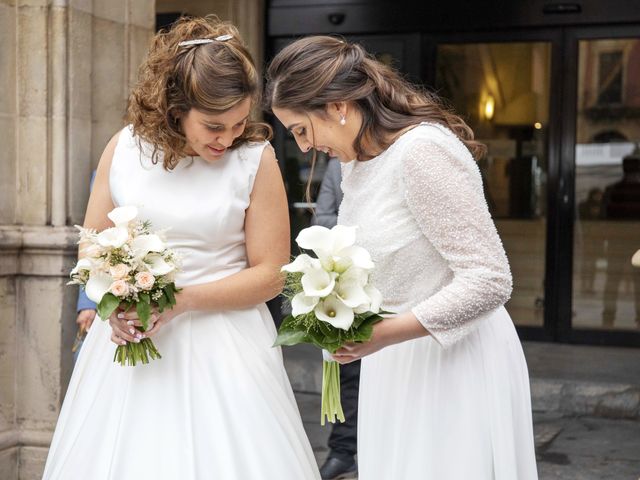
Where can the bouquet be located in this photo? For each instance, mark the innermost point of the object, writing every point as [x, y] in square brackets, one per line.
[127, 266]
[332, 302]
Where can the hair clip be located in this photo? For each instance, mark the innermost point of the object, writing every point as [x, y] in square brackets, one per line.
[201, 41]
[197, 41]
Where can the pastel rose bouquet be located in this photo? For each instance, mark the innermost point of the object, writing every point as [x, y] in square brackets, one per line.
[332, 302]
[127, 267]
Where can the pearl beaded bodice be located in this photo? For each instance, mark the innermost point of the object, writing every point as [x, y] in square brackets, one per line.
[421, 212]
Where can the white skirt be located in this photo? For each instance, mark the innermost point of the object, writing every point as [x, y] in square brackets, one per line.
[456, 414]
[218, 405]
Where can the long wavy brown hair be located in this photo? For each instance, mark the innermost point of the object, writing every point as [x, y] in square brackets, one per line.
[313, 72]
[173, 79]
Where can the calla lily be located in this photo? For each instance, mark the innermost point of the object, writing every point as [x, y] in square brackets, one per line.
[334, 312]
[316, 238]
[98, 284]
[83, 264]
[301, 304]
[355, 274]
[143, 244]
[356, 256]
[302, 263]
[121, 216]
[318, 283]
[157, 265]
[343, 237]
[635, 260]
[113, 237]
[375, 296]
[351, 293]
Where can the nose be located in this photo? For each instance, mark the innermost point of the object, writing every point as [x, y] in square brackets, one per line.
[225, 139]
[303, 145]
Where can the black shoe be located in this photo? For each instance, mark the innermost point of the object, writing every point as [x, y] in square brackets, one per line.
[337, 469]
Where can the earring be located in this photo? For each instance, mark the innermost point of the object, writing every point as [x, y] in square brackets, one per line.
[343, 121]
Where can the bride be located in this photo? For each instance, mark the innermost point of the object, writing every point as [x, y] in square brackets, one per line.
[444, 388]
[218, 405]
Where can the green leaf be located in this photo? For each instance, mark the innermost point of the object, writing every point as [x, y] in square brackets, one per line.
[290, 338]
[162, 303]
[107, 305]
[168, 290]
[145, 297]
[144, 312]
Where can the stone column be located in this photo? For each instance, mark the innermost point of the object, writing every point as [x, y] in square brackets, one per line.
[66, 70]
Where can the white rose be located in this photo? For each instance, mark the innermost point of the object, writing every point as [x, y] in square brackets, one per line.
[145, 280]
[119, 288]
[119, 271]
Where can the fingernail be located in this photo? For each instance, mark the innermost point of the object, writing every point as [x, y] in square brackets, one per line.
[137, 340]
[132, 331]
[130, 322]
[121, 315]
[123, 343]
[138, 335]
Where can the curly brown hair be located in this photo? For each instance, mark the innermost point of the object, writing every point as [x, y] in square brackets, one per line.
[313, 72]
[173, 79]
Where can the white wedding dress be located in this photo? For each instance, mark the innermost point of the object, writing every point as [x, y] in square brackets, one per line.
[218, 405]
[454, 405]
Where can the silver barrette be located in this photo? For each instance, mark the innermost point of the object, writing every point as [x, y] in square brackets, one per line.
[200, 41]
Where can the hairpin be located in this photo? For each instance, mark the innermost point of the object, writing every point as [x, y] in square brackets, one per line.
[200, 41]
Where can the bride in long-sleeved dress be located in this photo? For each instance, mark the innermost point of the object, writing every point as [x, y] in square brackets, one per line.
[444, 388]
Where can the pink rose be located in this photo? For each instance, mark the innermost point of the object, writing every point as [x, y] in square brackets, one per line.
[145, 280]
[119, 271]
[119, 288]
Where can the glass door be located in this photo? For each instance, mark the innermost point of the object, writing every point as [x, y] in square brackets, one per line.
[605, 301]
[504, 91]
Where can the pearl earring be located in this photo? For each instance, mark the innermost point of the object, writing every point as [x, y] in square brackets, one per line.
[343, 121]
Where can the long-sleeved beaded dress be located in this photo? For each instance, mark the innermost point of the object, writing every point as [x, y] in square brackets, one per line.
[455, 404]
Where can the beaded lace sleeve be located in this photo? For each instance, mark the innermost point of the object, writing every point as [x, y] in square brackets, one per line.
[443, 190]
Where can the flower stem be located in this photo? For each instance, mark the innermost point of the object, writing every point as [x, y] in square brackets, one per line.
[331, 406]
[133, 353]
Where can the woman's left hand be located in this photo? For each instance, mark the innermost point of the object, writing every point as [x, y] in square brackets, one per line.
[387, 332]
[350, 352]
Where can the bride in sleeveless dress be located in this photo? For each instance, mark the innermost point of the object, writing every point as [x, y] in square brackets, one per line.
[444, 387]
[218, 405]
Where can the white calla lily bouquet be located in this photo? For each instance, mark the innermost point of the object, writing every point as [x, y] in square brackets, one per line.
[332, 302]
[127, 266]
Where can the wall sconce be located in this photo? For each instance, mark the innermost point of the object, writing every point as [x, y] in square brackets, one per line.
[489, 107]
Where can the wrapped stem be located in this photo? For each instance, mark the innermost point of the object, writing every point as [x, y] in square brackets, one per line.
[331, 405]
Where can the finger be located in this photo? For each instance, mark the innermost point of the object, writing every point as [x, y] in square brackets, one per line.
[137, 323]
[117, 340]
[154, 329]
[125, 335]
[130, 315]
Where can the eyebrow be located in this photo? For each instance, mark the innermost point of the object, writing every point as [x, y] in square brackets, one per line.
[213, 124]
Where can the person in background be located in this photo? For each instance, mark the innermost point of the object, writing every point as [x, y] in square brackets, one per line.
[86, 309]
[343, 440]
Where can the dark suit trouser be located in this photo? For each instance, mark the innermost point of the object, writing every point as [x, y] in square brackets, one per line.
[343, 439]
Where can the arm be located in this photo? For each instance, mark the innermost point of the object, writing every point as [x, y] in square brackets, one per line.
[329, 197]
[267, 242]
[444, 194]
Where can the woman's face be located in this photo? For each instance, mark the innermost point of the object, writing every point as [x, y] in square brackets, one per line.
[325, 133]
[209, 135]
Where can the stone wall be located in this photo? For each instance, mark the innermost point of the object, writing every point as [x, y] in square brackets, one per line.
[66, 70]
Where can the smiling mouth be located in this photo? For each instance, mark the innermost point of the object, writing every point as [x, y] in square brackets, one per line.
[216, 151]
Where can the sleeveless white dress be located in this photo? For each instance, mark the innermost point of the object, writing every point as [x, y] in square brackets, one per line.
[454, 405]
[218, 405]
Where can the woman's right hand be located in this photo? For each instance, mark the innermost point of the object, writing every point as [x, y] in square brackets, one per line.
[123, 330]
